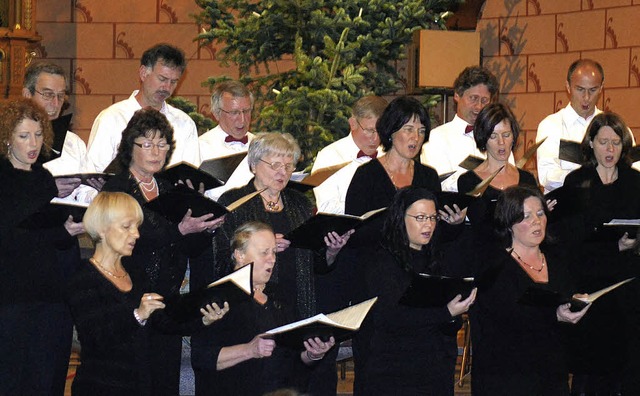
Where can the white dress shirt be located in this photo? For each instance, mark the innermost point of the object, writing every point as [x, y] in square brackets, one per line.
[331, 194]
[448, 146]
[566, 124]
[212, 145]
[107, 128]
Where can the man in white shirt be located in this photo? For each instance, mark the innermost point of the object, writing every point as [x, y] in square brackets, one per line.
[160, 70]
[585, 80]
[359, 147]
[449, 144]
[231, 105]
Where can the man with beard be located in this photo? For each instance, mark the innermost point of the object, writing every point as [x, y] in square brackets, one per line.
[160, 70]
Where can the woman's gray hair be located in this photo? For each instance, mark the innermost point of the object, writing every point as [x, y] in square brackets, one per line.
[270, 143]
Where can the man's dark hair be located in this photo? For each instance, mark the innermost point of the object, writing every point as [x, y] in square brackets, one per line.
[476, 75]
[35, 69]
[168, 55]
[584, 62]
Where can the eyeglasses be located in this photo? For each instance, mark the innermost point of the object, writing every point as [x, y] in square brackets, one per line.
[276, 166]
[50, 95]
[236, 113]
[423, 218]
[368, 131]
[162, 146]
[475, 99]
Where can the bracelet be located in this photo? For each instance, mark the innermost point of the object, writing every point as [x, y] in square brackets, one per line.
[141, 321]
[313, 359]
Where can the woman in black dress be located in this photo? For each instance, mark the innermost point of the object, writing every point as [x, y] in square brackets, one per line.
[611, 188]
[412, 350]
[161, 254]
[112, 313]
[272, 157]
[237, 359]
[496, 132]
[402, 127]
[35, 326]
[517, 348]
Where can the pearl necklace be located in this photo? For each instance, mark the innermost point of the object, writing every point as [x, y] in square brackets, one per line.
[530, 266]
[148, 186]
[96, 262]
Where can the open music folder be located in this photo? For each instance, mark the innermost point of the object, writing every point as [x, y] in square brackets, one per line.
[340, 325]
[233, 288]
[311, 233]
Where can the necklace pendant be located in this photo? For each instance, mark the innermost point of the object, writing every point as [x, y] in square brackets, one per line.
[273, 206]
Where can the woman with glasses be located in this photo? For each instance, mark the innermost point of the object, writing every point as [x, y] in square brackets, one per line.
[517, 348]
[160, 256]
[496, 132]
[272, 158]
[611, 189]
[412, 350]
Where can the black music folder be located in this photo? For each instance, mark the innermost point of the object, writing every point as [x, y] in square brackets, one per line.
[55, 213]
[222, 168]
[540, 297]
[570, 151]
[427, 290]
[450, 198]
[311, 233]
[174, 204]
[340, 325]
[184, 171]
[471, 162]
[233, 288]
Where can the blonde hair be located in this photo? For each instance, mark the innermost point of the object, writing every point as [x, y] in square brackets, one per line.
[106, 208]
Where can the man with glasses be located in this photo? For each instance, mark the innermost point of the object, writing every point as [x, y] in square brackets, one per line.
[161, 67]
[231, 105]
[46, 84]
[451, 143]
[359, 147]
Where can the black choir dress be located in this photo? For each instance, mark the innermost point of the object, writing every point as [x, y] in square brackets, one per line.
[469, 180]
[162, 252]
[117, 354]
[597, 345]
[517, 348]
[293, 279]
[412, 350]
[35, 325]
[370, 188]
[253, 377]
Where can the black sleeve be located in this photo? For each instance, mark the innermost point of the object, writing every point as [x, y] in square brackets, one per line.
[357, 201]
[467, 182]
